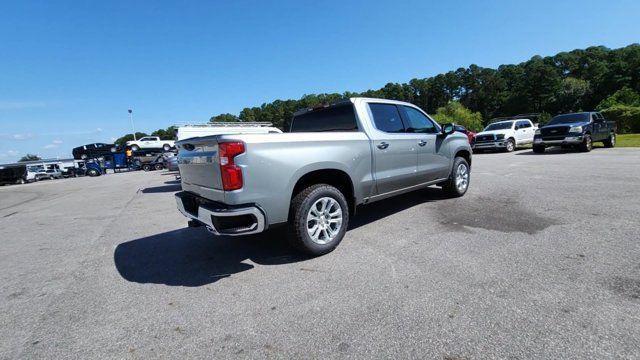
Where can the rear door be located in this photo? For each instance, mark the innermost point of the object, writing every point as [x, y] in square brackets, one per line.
[432, 163]
[394, 151]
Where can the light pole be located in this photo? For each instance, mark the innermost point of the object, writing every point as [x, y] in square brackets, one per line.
[132, 127]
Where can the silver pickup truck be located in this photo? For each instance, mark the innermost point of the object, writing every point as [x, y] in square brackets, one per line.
[311, 178]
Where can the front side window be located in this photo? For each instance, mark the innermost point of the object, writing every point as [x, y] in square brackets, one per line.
[386, 118]
[417, 122]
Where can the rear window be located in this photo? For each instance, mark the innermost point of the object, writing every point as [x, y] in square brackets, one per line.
[333, 118]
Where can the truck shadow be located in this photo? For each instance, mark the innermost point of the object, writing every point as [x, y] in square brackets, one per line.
[172, 187]
[193, 257]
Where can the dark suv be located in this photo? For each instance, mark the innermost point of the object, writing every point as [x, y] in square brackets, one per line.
[91, 151]
[578, 130]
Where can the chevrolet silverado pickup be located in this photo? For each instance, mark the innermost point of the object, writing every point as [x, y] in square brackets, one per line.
[575, 130]
[333, 158]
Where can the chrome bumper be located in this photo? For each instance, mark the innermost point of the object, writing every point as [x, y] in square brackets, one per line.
[490, 145]
[569, 140]
[206, 216]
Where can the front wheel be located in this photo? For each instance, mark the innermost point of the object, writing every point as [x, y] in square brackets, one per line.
[146, 167]
[135, 148]
[93, 172]
[587, 143]
[458, 182]
[610, 141]
[320, 216]
[166, 147]
[511, 145]
[158, 166]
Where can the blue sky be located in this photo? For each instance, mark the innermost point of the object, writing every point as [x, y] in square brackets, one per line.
[70, 70]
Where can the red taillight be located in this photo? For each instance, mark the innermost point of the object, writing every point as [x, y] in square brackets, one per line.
[231, 173]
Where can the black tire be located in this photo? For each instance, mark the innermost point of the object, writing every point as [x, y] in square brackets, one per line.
[158, 166]
[301, 205]
[146, 167]
[135, 148]
[93, 172]
[166, 147]
[511, 145]
[610, 141]
[449, 187]
[538, 149]
[587, 143]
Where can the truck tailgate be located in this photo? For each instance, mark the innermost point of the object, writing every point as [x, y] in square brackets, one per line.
[199, 165]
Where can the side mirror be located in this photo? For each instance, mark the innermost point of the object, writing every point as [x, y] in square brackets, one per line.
[516, 127]
[447, 129]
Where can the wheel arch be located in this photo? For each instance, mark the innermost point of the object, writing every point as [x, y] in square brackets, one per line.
[337, 178]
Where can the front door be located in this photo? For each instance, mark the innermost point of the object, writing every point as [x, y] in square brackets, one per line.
[394, 151]
[433, 164]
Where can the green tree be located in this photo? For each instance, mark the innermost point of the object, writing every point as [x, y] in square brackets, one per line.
[29, 157]
[624, 96]
[224, 118]
[129, 137]
[571, 94]
[166, 134]
[456, 113]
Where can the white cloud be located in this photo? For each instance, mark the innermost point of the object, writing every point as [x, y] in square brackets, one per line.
[99, 130]
[50, 146]
[57, 142]
[26, 136]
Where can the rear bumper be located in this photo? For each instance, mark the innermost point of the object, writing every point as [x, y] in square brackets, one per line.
[219, 218]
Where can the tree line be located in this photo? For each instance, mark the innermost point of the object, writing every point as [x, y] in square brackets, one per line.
[578, 80]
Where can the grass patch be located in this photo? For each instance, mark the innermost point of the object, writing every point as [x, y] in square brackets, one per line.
[628, 140]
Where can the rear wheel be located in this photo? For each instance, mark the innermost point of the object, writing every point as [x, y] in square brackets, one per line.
[93, 172]
[166, 147]
[158, 166]
[320, 216]
[146, 167]
[587, 143]
[135, 147]
[610, 141]
[458, 182]
[538, 149]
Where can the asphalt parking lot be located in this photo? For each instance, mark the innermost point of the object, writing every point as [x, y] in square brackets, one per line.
[541, 259]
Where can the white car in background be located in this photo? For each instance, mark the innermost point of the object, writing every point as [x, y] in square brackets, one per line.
[151, 142]
[505, 135]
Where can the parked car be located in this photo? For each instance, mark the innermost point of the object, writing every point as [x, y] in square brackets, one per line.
[92, 151]
[470, 134]
[171, 163]
[577, 130]
[48, 174]
[505, 135]
[13, 174]
[151, 142]
[334, 158]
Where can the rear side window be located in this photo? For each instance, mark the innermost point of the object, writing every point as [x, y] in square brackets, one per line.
[386, 118]
[333, 118]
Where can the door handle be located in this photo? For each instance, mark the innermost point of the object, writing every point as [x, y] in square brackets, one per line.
[383, 145]
[422, 142]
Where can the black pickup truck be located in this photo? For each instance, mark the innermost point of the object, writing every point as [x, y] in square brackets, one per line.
[575, 130]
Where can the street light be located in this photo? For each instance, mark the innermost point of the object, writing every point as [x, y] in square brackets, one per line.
[132, 127]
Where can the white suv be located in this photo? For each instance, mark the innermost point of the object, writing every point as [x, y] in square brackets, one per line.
[505, 135]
